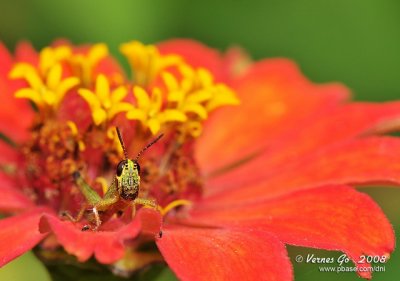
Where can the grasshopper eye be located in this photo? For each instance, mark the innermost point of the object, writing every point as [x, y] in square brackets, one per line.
[137, 166]
[120, 167]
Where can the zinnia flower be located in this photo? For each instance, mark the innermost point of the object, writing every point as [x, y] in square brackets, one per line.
[253, 157]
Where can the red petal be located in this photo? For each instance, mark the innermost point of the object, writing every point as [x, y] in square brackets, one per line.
[110, 68]
[361, 161]
[150, 221]
[25, 52]
[332, 218]
[5, 60]
[359, 118]
[196, 54]
[74, 108]
[8, 154]
[224, 254]
[16, 117]
[275, 96]
[12, 199]
[19, 234]
[107, 246]
[16, 114]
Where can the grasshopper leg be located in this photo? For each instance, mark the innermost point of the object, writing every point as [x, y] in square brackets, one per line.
[144, 202]
[97, 218]
[103, 204]
[68, 215]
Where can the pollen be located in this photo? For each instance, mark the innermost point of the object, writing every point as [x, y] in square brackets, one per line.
[146, 62]
[104, 102]
[75, 133]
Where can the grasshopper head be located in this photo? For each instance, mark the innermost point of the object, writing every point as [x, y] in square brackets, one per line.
[128, 171]
[128, 179]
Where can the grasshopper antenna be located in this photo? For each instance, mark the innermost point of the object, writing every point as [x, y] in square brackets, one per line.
[147, 146]
[122, 142]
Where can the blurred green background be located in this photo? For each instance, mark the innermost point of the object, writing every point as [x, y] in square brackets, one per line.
[355, 42]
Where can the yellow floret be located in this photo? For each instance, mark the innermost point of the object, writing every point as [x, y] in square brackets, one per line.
[180, 98]
[146, 62]
[196, 95]
[103, 102]
[149, 110]
[50, 56]
[83, 64]
[187, 102]
[45, 92]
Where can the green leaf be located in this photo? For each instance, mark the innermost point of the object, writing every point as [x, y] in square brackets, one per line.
[26, 267]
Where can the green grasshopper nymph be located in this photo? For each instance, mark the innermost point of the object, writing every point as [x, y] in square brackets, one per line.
[124, 190]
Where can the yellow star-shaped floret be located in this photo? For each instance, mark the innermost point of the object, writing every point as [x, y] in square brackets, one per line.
[83, 64]
[50, 56]
[146, 62]
[196, 94]
[103, 102]
[45, 92]
[149, 110]
[188, 101]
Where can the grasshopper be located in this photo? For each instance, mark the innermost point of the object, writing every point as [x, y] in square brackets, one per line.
[124, 190]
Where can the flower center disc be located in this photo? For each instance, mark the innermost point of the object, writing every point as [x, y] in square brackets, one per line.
[79, 105]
